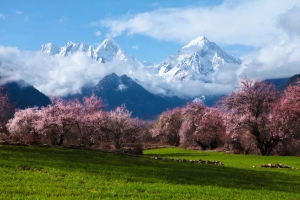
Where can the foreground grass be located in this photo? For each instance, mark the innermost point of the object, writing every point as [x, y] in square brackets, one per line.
[58, 173]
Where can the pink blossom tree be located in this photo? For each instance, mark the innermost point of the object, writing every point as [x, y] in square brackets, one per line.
[249, 110]
[80, 122]
[92, 104]
[288, 111]
[244, 142]
[59, 118]
[201, 125]
[192, 115]
[210, 129]
[286, 119]
[121, 128]
[23, 124]
[168, 126]
[91, 122]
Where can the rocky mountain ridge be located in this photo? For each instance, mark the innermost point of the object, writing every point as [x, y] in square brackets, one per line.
[107, 51]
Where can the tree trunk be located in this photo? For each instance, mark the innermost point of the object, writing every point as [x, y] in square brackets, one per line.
[204, 147]
[61, 140]
[117, 140]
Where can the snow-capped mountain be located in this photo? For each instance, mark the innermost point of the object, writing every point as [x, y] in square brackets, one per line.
[198, 60]
[107, 51]
[66, 50]
[50, 49]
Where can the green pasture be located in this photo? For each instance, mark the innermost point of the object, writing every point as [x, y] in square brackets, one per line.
[61, 173]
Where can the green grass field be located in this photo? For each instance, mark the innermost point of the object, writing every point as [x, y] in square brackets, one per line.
[60, 173]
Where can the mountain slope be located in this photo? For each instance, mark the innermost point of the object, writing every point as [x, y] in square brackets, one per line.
[25, 95]
[291, 81]
[117, 90]
[278, 82]
[282, 83]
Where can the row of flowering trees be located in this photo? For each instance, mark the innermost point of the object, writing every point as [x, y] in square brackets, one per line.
[255, 118]
[76, 123]
[195, 123]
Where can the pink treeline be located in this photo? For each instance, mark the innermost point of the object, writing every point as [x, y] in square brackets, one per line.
[254, 119]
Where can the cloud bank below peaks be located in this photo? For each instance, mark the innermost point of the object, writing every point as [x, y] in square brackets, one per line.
[62, 75]
[53, 75]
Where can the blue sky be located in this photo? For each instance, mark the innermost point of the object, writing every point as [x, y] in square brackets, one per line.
[172, 23]
[265, 34]
[31, 23]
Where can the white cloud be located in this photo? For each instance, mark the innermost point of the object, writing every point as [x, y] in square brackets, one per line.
[98, 33]
[276, 60]
[135, 47]
[273, 27]
[18, 12]
[2, 16]
[290, 21]
[53, 75]
[232, 22]
[62, 18]
[280, 58]
[58, 75]
[227, 75]
[121, 87]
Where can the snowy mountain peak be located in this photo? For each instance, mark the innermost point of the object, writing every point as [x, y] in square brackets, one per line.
[105, 52]
[200, 59]
[200, 44]
[199, 41]
[72, 47]
[109, 43]
[50, 49]
[108, 50]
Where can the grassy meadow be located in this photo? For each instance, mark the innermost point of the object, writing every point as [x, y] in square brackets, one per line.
[62, 173]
